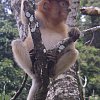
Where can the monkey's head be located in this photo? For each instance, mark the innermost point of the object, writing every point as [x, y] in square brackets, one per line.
[56, 10]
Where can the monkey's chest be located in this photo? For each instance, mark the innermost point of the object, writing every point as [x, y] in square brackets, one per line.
[50, 40]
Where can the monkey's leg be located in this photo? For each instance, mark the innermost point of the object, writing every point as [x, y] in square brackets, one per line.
[22, 56]
[33, 89]
[66, 61]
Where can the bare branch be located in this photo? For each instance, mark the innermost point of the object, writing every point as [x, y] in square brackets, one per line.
[90, 30]
[40, 65]
[21, 88]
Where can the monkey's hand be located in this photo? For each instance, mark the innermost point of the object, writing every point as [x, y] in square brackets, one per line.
[74, 34]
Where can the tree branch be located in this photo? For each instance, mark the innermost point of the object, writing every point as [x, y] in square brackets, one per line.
[92, 11]
[21, 88]
[40, 65]
[90, 30]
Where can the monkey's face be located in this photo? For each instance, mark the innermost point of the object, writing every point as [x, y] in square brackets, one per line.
[59, 9]
[55, 10]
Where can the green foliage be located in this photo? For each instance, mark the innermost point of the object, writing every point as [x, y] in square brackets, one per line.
[7, 75]
[11, 76]
[89, 63]
[90, 56]
[94, 97]
[4, 97]
[83, 2]
[95, 3]
[7, 27]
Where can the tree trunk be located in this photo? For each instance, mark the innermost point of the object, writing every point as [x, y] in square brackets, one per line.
[67, 86]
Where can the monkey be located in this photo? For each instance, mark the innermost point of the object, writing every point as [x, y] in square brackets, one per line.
[51, 15]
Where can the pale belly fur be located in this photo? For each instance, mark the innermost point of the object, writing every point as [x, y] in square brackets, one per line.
[50, 40]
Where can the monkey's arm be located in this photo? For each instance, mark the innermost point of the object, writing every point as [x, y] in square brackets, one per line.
[70, 54]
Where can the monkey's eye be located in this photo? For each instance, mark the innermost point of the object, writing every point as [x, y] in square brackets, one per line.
[62, 4]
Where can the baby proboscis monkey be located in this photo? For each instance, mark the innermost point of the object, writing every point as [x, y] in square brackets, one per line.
[52, 15]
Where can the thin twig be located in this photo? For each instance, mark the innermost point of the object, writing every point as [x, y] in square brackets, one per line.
[90, 30]
[21, 88]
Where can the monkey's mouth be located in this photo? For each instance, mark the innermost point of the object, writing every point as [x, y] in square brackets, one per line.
[64, 14]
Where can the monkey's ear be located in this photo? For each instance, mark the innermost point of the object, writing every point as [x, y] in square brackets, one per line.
[46, 5]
